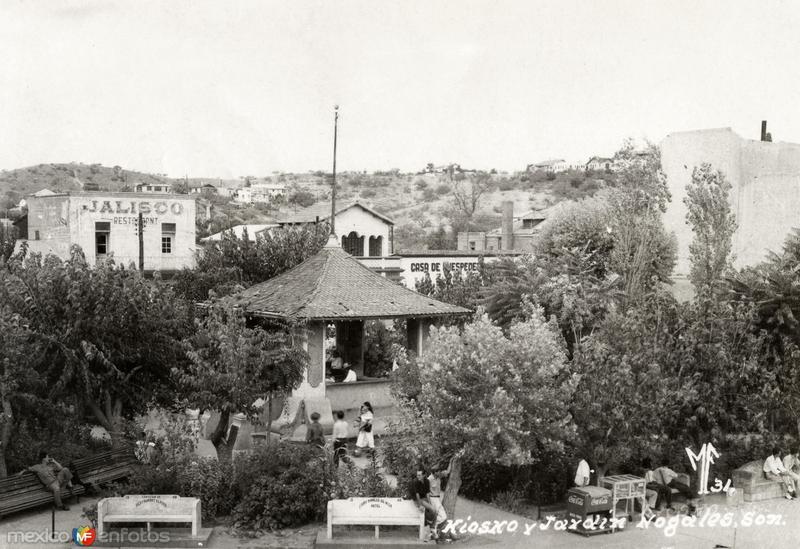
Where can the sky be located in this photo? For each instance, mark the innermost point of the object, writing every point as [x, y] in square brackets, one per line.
[234, 88]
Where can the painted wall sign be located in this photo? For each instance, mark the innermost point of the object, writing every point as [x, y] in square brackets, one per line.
[437, 267]
[133, 207]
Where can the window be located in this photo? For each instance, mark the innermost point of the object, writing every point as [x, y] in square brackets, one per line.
[472, 245]
[102, 237]
[36, 235]
[375, 246]
[353, 244]
[167, 237]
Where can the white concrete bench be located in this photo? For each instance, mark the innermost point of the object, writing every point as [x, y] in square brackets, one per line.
[375, 512]
[155, 508]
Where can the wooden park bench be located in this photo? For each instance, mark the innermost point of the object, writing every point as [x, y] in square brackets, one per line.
[104, 467]
[375, 512]
[148, 509]
[22, 492]
[750, 479]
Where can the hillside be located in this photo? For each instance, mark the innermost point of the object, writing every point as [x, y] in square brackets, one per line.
[420, 204]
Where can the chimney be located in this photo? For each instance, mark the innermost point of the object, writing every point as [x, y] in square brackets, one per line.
[763, 130]
[507, 227]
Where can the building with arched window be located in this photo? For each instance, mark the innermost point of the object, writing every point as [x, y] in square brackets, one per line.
[363, 232]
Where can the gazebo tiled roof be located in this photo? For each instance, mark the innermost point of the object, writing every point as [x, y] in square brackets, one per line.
[332, 285]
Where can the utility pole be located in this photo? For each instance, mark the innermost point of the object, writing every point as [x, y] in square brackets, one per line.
[141, 243]
[333, 187]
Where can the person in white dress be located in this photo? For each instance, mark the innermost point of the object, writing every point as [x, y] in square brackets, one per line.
[365, 439]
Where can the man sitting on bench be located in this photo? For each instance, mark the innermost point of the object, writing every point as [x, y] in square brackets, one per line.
[420, 488]
[663, 480]
[53, 476]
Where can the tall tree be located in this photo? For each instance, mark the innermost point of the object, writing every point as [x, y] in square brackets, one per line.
[19, 379]
[233, 365]
[713, 223]
[643, 253]
[467, 193]
[107, 337]
[8, 240]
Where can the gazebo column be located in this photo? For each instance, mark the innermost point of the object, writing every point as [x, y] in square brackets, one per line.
[313, 384]
[418, 331]
[350, 344]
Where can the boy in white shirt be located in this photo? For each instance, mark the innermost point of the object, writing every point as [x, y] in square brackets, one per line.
[341, 432]
[774, 470]
[582, 474]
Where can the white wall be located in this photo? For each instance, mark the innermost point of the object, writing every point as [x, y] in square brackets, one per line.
[765, 197]
[415, 267]
[66, 220]
[365, 224]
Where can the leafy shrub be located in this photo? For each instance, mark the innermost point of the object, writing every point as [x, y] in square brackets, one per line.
[353, 482]
[209, 480]
[428, 195]
[368, 193]
[506, 184]
[189, 476]
[442, 189]
[283, 485]
[302, 198]
[404, 452]
[420, 184]
[49, 427]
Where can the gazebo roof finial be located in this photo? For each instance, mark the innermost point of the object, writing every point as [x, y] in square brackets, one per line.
[333, 242]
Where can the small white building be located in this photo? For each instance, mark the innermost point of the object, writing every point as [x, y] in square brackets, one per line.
[362, 231]
[265, 192]
[550, 166]
[243, 195]
[153, 188]
[599, 163]
[106, 225]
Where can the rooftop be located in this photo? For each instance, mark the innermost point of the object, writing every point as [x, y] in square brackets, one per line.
[322, 211]
[333, 285]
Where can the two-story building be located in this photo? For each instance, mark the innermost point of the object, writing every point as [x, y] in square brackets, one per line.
[107, 225]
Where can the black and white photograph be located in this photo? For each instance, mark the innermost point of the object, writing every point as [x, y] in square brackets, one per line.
[354, 274]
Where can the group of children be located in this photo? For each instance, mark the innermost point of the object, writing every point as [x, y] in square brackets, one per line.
[365, 440]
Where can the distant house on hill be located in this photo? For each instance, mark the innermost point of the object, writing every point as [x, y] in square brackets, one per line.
[599, 163]
[551, 166]
[206, 188]
[153, 188]
[259, 193]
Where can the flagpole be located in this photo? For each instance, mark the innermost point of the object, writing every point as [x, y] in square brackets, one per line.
[333, 186]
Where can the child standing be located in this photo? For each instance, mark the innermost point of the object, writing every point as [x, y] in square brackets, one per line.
[341, 432]
[365, 439]
[314, 434]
